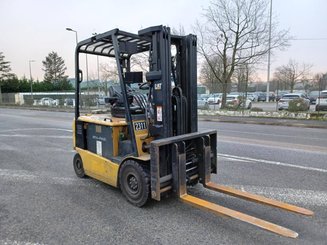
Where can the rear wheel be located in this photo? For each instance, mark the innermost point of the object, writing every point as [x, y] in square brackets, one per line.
[78, 166]
[134, 183]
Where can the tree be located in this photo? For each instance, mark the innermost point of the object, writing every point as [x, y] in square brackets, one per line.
[243, 74]
[292, 73]
[4, 72]
[109, 70]
[208, 77]
[237, 31]
[319, 81]
[54, 68]
[180, 31]
[4, 68]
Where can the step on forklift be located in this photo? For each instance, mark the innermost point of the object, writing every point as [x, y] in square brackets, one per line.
[149, 145]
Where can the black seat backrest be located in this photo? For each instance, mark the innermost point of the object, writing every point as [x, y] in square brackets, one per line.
[115, 91]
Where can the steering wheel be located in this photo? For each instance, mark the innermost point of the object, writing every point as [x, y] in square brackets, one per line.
[144, 86]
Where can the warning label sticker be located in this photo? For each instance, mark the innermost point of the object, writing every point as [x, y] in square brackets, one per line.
[99, 147]
[159, 113]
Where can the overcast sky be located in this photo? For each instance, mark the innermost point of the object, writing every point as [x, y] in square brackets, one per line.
[30, 29]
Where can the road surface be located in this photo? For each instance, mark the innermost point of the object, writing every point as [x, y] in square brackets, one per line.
[43, 202]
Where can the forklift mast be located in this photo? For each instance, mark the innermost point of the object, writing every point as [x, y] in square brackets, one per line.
[173, 84]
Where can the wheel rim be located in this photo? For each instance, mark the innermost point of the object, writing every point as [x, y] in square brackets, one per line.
[78, 165]
[132, 184]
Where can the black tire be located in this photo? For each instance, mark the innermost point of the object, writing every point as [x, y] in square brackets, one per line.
[134, 183]
[78, 166]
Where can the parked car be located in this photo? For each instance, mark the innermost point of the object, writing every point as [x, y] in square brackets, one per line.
[48, 102]
[283, 103]
[280, 94]
[215, 98]
[203, 96]
[202, 104]
[321, 102]
[253, 97]
[313, 95]
[263, 96]
[272, 96]
[69, 102]
[234, 100]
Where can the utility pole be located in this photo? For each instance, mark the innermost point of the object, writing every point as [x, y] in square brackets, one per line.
[31, 79]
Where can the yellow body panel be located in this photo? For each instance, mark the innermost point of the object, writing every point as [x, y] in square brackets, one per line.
[74, 139]
[99, 119]
[99, 167]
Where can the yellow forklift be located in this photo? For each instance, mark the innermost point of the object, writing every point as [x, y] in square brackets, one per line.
[149, 145]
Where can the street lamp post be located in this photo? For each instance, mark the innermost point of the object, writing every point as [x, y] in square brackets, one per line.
[31, 79]
[269, 52]
[87, 65]
[70, 29]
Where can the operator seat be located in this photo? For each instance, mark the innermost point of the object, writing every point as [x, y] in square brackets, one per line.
[117, 102]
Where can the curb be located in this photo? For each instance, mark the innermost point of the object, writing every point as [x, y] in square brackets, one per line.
[268, 121]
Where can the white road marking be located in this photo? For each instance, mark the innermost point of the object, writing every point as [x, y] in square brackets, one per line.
[304, 197]
[28, 176]
[34, 136]
[288, 195]
[248, 159]
[33, 129]
[235, 159]
[274, 144]
[13, 242]
[272, 135]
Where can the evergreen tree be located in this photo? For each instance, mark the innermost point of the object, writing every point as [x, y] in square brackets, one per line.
[4, 72]
[54, 68]
[4, 68]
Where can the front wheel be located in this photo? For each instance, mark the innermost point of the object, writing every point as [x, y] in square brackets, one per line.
[78, 166]
[134, 183]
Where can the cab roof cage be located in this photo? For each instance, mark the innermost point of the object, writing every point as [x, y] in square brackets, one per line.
[102, 44]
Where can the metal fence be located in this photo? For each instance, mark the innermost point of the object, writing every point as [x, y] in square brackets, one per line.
[88, 100]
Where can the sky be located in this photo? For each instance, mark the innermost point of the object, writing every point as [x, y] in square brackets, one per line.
[31, 29]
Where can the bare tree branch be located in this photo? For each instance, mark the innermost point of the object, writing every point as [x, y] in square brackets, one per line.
[292, 73]
[236, 33]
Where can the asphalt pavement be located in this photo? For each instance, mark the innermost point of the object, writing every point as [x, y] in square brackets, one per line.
[312, 123]
[43, 202]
